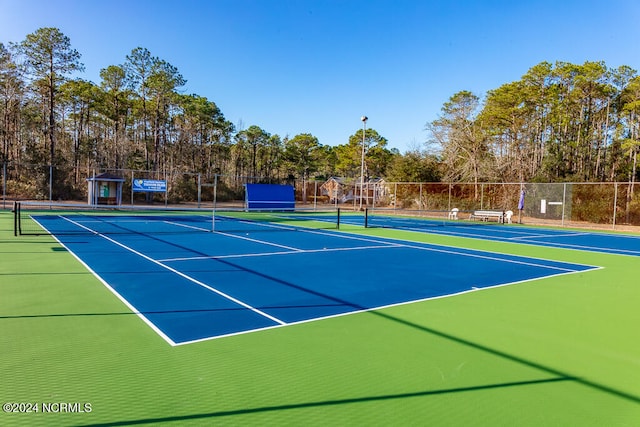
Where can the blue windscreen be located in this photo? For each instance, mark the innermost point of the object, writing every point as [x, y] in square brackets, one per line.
[270, 196]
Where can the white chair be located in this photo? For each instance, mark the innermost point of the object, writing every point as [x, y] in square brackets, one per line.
[453, 214]
[507, 216]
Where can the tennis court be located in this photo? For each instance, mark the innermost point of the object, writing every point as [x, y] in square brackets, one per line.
[570, 239]
[192, 318]
[190, 284]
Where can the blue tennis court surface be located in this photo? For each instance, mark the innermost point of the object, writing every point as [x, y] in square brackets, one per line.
[190, 284]
[579, 240]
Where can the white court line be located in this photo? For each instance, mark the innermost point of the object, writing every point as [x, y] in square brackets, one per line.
[240, 237]
[113, 291]
[264, 242]
[383, 307]
[523, 239]
[492, 258]
[545, 236]
[288, 228]
[385, 242]
[258, 254]
[596, 249]
[261, 224]
[186, 226]
[452, 249]
[198, 258]
[449, 251]
[360, 238]
[181, 274]
[446, 232]
[484, 236]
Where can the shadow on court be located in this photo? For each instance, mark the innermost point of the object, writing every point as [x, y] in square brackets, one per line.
[367, 399]
[558, 378]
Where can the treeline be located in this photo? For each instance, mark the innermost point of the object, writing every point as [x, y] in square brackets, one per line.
[559, 122]
[137, 118]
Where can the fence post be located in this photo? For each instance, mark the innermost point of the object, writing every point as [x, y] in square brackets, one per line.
[199, 190]
[373, 195]
[4, 184]
[166, 189]
[215, 190]
[355, 187]
[95, 189]
[522, 195]
[395, 197]
[564, 201]
[615, 203]
[50, 183]
[315, 195]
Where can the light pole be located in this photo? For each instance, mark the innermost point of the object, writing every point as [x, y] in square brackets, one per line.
[364, 131]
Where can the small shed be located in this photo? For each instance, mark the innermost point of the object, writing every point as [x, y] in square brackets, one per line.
[335, 188]
[105, 189]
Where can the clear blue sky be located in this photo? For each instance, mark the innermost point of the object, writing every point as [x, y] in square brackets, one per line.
[317, 66]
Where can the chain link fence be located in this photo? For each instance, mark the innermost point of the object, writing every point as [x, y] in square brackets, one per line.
[605, 205]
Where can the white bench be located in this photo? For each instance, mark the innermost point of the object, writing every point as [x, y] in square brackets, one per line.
[487, 215]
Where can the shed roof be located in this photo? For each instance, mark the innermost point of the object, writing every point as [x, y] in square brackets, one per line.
[106, 176]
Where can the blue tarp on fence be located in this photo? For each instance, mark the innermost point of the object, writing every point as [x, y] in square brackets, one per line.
[269, 196]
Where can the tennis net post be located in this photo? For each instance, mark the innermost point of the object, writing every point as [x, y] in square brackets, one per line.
[16, 216]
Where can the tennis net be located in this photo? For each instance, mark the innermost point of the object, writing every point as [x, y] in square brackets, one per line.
[33, 218]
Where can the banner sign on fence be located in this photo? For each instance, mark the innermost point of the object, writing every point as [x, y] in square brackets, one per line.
[150, 185]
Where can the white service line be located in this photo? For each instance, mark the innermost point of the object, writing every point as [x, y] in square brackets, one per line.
[263, 224]
[263, 242]
[240, 237]
[181, 274]
[278, 253]
[186, 226]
